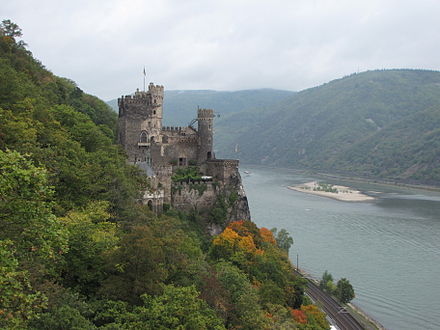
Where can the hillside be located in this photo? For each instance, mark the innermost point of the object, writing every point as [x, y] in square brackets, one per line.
[376, 124]
[180, 105]
[79, 251]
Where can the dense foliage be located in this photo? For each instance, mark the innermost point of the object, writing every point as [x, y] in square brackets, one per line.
[376, 124]
[78, 250]
[343, 290]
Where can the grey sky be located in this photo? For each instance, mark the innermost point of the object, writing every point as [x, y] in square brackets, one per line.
[225, 45]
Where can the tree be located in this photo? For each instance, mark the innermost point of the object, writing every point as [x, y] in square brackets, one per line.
[344, 291]
[26, 217]
[284, 240]
[176, 308]
[315, 318]
[246, 312]
[326, 283]
[91, 238]
[138, 266]
[18, 301]
[10, 29]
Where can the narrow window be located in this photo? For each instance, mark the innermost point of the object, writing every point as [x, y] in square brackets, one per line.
[144, 137]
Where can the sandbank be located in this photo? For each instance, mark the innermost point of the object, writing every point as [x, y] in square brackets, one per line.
[343, 193]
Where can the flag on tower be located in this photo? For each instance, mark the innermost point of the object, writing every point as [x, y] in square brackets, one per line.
[145, 76]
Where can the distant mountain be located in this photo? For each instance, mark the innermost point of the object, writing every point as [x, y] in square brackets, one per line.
[377, 124]
[180, 105]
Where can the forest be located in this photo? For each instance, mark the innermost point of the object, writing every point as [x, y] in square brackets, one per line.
[79, 251]
[379, 125]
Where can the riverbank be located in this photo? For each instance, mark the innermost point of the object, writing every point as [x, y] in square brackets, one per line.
[366, 321]
[341, 193]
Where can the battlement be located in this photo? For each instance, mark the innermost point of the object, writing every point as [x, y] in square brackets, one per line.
[205, 113]
[223, 162]
[137, 98]
[173, 128]
[155, 89]
[153, 97]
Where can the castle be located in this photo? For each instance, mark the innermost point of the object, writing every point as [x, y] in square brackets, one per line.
[160, 151]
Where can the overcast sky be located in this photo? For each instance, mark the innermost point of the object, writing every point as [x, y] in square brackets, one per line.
[225, 45]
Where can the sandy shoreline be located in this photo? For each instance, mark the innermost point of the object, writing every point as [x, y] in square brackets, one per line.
[342, 193]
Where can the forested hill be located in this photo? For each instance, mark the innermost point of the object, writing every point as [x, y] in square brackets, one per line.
[376, 124]
[79, 251]
[180, 106]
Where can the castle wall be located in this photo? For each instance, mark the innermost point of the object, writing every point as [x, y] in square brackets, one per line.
[194, 196]
[163, 175]
[178, 146]
[222, 169]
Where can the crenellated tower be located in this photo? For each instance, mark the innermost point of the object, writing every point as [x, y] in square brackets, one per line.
[140, 122]
[205, 120]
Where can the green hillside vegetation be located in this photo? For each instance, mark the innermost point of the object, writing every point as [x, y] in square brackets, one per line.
[376, 124]
[180, 106]
[78, 250]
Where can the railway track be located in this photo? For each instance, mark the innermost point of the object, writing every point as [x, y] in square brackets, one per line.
[343, 319]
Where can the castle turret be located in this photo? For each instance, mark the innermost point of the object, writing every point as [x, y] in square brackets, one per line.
[205, 119]
[140, 122]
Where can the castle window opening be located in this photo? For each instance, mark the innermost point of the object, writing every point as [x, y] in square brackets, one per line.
[182, 161]
[144, 137]
[154, 112]
[150, 205]
[164, 139]
[152, 139]
[209, 155]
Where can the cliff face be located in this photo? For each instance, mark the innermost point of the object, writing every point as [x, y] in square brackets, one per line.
[240, 208]
[218, 202]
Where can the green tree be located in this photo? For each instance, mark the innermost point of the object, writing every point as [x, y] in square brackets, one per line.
[61, 318]
[284, 240]
[19, 303]
[138, 266]
[344, 291]
[25, 213]
[91, 237]
[246, 312]
[327, 283]
[10, 29]
[176, 308]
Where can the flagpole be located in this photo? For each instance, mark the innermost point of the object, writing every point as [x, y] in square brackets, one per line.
[145, 76]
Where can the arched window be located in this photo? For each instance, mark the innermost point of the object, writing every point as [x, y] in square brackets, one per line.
[152, 139]
[144, 137]
[209, 155]
[150, 205]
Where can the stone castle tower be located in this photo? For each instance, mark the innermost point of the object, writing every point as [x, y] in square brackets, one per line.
[140, 122]
[205, 118]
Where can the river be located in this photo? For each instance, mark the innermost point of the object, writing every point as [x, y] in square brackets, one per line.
[388, 248]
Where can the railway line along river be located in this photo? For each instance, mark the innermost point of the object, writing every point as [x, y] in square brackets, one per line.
[388, 247]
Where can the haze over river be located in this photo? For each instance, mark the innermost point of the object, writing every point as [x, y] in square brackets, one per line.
[388, 248]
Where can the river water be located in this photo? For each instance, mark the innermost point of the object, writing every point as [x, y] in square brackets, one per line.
[388, 248]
